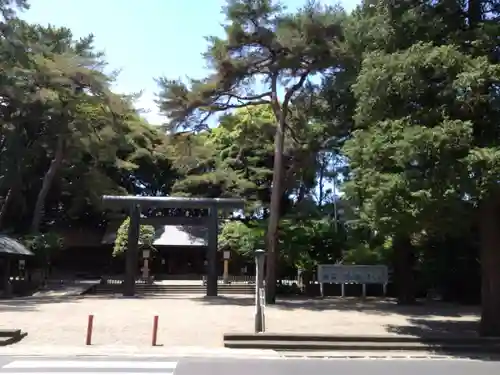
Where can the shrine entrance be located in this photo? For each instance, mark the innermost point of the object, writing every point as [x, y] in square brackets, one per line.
[137, 205]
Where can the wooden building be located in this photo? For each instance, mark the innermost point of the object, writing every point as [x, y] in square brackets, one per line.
[179, 253]
[13, 257]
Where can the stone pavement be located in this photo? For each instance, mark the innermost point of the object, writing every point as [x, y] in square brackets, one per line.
[195, 321]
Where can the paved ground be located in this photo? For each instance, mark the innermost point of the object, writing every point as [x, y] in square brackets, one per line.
[198, 321]
[228, 366]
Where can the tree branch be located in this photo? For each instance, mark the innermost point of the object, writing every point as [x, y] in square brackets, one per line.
[292, 90]
[224, 107]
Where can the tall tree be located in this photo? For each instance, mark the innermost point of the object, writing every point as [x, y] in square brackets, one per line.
[65, 138]
[54, 79]
[427, 141]
[266, 51]
[72, 77]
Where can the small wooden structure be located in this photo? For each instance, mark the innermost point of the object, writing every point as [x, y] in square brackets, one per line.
[11, 251]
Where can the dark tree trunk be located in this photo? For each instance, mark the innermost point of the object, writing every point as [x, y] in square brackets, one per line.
[46, 185]
[275, 213]
[489, 223]
[9, 198]
[280, 112]
[404, 261]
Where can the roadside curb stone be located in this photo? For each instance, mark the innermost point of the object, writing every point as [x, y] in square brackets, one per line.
[107, 350]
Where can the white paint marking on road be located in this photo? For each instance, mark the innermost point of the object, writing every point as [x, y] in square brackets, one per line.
[383, 358]
[89, 364]
[85, 373]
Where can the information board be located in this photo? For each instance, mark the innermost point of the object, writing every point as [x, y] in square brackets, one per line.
[358, 274]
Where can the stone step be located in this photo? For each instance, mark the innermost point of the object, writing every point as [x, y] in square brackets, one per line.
[172, 289]
[175, 289]
[187, 287]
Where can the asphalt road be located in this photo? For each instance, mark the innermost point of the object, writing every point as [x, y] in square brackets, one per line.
[237, 366]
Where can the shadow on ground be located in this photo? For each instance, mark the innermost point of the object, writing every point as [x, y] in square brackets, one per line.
[422, 327]
[369, 305]
[425, 327]
[13, 340]
[383, 306]
[32, 303]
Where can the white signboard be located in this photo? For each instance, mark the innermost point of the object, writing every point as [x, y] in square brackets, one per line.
[262, 297]
[344, 274]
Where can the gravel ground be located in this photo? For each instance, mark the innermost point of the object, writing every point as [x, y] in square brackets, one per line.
[201, 322]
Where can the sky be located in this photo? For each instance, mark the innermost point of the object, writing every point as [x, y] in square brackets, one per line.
[144, 39]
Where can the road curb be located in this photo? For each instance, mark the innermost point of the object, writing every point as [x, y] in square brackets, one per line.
[276, 341]
[136, 352]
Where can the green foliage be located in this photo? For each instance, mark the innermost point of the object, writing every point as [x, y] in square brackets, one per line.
[262, 43]
[146, 238]
[364, 253]
[226, 163]
[303, 243]
[242, 238]
[409, 162]
[44, 246]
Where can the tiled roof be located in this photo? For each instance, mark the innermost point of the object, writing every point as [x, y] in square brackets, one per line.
[168, 235]
[10, 246]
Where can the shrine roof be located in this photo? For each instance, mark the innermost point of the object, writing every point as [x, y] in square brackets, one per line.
[167, 235]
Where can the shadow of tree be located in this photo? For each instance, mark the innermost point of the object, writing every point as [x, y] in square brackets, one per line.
[454, 329]
[383, 306]
[13, 339]
[369, 305]
[32, 303]
[423, 327]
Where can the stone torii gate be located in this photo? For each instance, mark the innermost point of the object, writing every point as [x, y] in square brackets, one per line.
[137, 204]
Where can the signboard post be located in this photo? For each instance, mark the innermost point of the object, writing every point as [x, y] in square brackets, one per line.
[263, 307]
[259, 291]
[352, 274]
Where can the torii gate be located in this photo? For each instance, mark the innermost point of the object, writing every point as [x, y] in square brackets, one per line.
[136, 205]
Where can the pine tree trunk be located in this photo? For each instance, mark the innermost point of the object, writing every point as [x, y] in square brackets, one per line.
[322, 167]
[46, 185]
[490, 267]
[475, 13]
[280, 111]
[275, 213]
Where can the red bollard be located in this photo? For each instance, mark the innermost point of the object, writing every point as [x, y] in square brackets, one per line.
[155, 330]
[90, 326]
